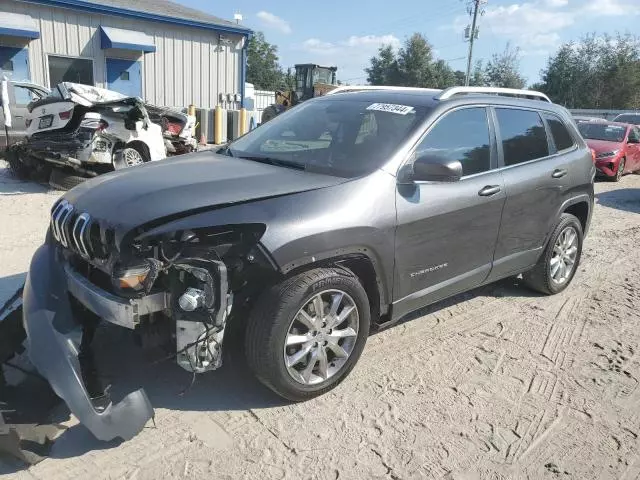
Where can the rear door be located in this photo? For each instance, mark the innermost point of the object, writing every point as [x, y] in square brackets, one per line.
[446, 232]
[536, 175]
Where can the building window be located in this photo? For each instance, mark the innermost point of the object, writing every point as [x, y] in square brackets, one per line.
[66, 69]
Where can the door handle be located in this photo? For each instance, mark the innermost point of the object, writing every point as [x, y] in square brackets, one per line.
[559, 173]
[489, 190]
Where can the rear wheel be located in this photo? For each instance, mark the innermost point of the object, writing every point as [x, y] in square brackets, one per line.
[130, 157]
[558, 264]
[269, 113]
[62, 180]
[305, 334]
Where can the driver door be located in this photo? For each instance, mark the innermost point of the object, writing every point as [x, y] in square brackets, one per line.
[633, 149]
[447, 232]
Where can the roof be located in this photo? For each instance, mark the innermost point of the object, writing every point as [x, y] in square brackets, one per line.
[156, 10]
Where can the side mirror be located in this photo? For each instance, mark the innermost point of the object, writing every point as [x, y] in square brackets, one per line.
[432, 168]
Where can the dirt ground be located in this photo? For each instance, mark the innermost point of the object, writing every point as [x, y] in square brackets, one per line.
[496, 383]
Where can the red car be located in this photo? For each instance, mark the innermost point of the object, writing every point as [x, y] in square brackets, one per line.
[617, 147]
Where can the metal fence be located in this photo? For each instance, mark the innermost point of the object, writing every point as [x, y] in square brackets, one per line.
[603, 113]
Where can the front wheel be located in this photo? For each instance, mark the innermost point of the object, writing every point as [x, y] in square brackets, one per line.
[620, 171]
[305, 334]
[559, 261]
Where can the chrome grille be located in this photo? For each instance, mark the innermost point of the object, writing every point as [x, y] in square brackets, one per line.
[71, 229]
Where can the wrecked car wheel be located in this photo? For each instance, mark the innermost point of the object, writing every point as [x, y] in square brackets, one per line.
[129, 157]
[305, 334]
[62, 180]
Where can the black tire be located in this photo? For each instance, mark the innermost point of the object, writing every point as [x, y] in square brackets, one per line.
[269, 113]
[272, 316]
[18, 169]
[539, 278]
[620, 172]
[62, 180]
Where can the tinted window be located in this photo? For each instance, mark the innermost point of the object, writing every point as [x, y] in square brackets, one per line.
[461, 135]
[634, 135]
[561, 135]
[64, 69]
[337, 136]
[523, 135]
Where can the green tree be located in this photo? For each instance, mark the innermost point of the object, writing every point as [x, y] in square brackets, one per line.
[384, 67]
[595, 72]
[416, 63]
[413, 65]
[478, 75]
[503, 70]
[263, 68]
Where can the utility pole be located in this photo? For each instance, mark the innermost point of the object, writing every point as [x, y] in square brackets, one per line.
[473, 34]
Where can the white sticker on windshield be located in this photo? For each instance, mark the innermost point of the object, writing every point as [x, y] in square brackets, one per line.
[391, 108]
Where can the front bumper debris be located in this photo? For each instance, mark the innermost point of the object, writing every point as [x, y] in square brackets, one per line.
[50, 326]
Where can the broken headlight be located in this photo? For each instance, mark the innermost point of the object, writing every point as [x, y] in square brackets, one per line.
[131, 278]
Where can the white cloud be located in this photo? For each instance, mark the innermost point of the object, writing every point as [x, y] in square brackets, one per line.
[612, 8]
[536, 25]
[351, 55]
[269, 20]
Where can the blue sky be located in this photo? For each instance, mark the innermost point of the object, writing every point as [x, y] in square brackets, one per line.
[347, 33]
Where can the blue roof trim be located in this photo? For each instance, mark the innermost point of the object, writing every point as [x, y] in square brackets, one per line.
[109, 10]
[18, 32]
[108, 42]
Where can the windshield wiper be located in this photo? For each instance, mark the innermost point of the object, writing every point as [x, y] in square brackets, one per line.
[275, 161]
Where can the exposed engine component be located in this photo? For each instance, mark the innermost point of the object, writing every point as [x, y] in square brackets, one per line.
[191, 299]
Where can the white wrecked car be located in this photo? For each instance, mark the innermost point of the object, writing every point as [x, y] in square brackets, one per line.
[92, 130]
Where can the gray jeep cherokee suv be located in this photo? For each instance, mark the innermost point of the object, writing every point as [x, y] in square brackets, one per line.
[343, 214]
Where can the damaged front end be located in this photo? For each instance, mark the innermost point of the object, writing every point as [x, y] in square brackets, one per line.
[179, 283]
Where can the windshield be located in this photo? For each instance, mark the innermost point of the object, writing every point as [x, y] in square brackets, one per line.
[346, 138]
[602, 131]
[322, 75]
[628, 118]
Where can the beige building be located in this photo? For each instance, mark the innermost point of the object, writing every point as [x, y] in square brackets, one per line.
[168, 54]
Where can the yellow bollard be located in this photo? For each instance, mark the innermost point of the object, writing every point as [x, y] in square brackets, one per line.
[217, 125]
[243, 121]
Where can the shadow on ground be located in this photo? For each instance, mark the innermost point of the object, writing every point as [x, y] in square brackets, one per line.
[627, 199]
[10, 185]
[126, 368]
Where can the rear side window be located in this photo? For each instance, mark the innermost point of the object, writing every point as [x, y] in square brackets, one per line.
[561, 136]
[461, 135]
[523, 135]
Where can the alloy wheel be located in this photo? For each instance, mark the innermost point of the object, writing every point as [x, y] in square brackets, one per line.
[132, 157]
[565, 253]
[321, 337]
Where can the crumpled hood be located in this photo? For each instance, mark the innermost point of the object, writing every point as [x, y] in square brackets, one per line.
[133, 197]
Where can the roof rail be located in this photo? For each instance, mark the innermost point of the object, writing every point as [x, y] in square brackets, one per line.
[357, 88]
[453, 91]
